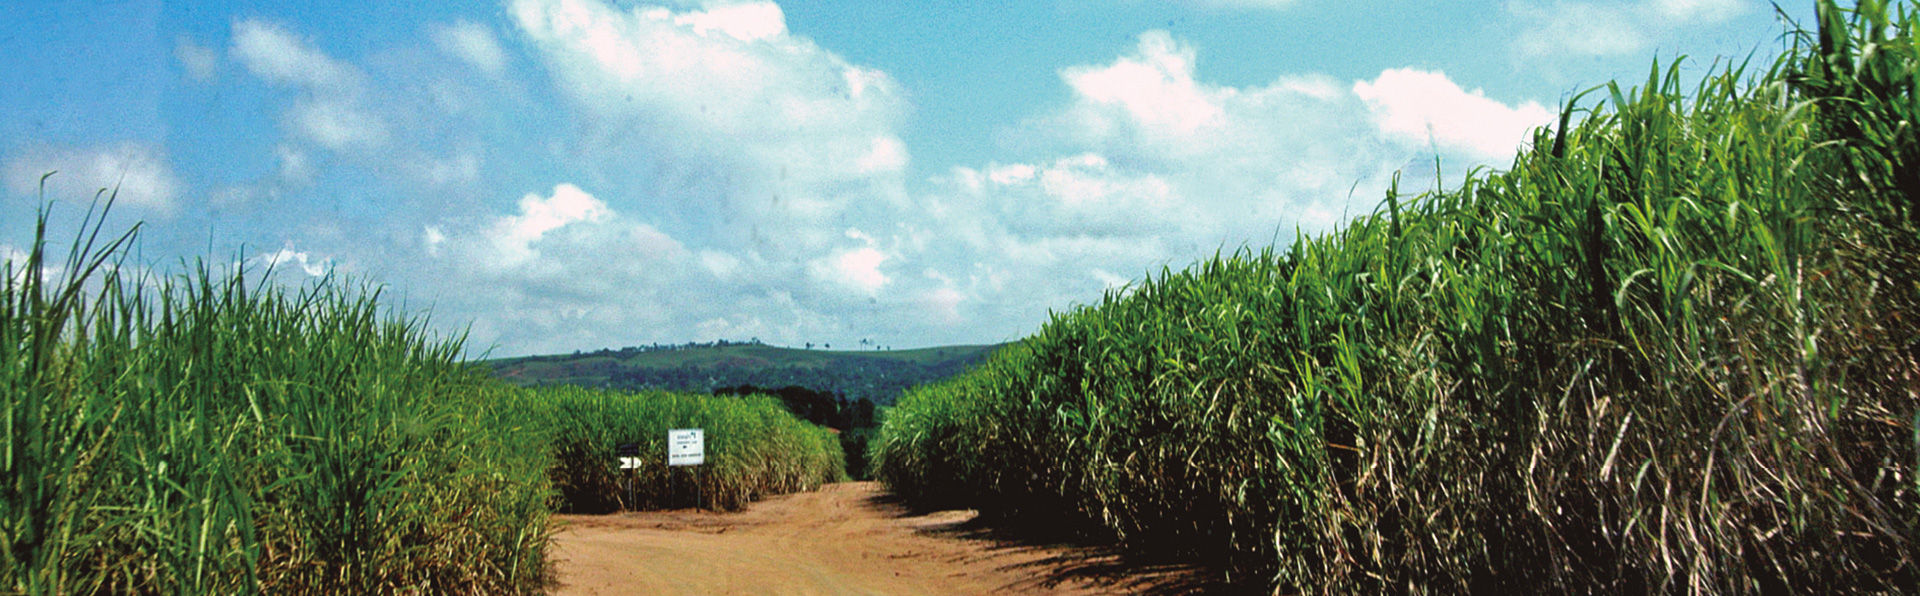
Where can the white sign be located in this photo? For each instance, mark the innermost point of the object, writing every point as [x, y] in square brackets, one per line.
[686, 447]
[628, 463]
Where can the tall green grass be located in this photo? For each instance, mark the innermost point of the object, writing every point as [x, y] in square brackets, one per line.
[754, 448]
[198, 434]
[1669, 350]
[201, 434]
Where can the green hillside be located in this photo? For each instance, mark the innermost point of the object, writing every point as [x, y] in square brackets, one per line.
[877, 375]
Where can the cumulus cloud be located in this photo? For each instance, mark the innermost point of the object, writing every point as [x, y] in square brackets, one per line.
[857, 268]
[1156, 167]
[716, 161]
[568, 247]
[1155, 88]
[567, 270]
[732, 73]
[728, 178]
[750, 21]
[1421, 106]
[761, 128]
[513, 236]
[139, 173]
[1205, 161]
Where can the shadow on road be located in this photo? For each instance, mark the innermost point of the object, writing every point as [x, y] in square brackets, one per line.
[1080, 554]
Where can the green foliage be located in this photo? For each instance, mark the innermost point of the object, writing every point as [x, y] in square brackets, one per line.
[754, 448]
[195, 435]
[855, 421]
[201, 435]
[1669, 350]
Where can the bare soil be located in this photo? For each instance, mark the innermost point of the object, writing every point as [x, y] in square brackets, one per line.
[847, 538]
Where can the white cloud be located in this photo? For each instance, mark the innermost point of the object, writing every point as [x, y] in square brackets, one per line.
[472, 43]
[1155, 167]
[757, 149]
[278, 56]
[1150, 149]
[1087, 194]
[331, 112]
[14, 261]
[1108, 279]
[202, 63]
[281, 259]
[337, 124]
[945, 302]
[732, 73]
[432, 237]
[857, 268]
[568, 270]
[1422, 106]
[747, 182]
[776, 133]
[1155, 87]
[888, 155]
[720, 264]
[748, 21]
[513, 236]
[1011, 174]
[564, 271]
[138, 173]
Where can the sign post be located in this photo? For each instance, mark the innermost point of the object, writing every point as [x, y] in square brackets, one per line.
[687, 447]
[629, 459]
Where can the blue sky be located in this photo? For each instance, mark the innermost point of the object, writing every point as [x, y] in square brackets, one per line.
[577, 174]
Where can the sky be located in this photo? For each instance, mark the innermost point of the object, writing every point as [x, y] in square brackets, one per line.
[556, 175]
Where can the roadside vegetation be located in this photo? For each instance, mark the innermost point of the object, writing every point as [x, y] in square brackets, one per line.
[754, 448]
[855, 422]
[1671, 349]
[208, 434]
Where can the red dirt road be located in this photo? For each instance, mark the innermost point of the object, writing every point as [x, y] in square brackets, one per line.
[843, 539]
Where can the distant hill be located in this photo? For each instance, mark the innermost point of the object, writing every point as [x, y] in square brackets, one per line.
[878, 375]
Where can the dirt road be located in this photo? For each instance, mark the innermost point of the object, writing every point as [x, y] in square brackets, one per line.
[844, 539]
